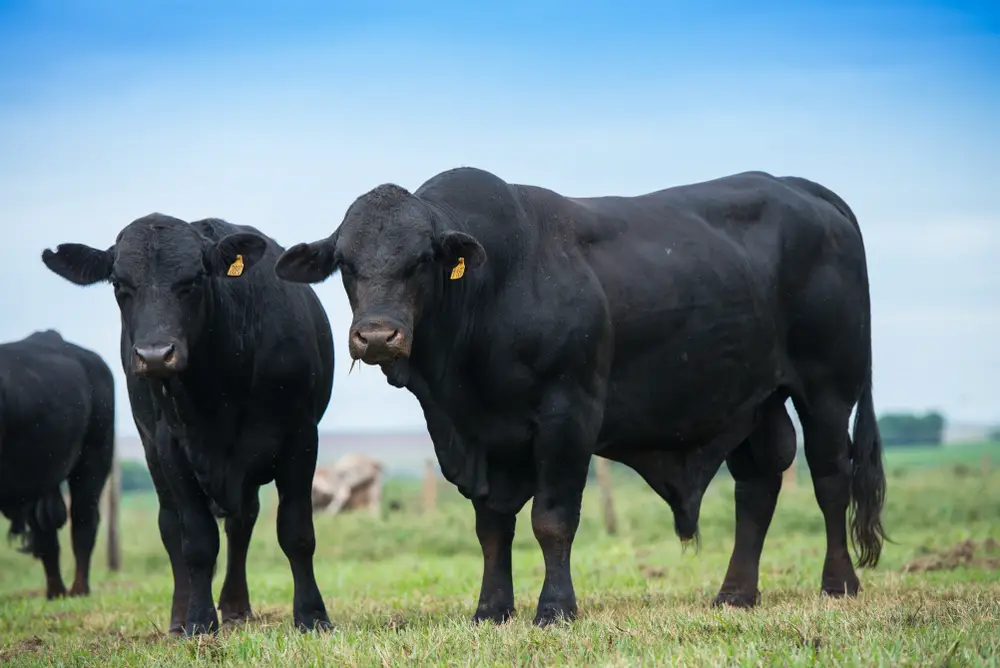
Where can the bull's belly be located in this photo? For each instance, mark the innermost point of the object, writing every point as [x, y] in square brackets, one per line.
[674, 406]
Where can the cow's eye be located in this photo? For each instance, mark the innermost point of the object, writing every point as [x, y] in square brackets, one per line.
[185, 288]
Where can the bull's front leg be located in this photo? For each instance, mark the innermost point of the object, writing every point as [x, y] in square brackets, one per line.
[199, 538]
[562, 459]
[296, 534]
[200, 548]
[496, 535]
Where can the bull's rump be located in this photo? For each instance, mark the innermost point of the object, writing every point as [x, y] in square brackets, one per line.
[46, 412]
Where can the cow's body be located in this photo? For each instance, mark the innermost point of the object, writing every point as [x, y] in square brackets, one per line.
[353, 482]
[665, 331]
[233, 404]
[57, 423]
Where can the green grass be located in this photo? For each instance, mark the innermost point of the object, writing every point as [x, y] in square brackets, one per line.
[403, 589]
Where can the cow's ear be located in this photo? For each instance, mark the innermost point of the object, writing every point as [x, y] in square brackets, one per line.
[234, 254]
[79, 263]
[458, 252]
[308, 263]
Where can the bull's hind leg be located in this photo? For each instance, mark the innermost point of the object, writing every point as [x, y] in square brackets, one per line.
[827, 448]
[234, 599]
[86, 482]
[756, 466]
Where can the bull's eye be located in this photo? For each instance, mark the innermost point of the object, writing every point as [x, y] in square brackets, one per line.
[185, 288]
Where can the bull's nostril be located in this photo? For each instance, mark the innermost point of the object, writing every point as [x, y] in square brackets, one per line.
[359, 338]
[392, 337]
[168, 356]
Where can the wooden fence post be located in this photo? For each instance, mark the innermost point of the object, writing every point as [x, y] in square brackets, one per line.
[607, 494]
[113, 490]
[430, 486]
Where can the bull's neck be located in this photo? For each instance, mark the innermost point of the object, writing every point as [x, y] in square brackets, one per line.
[456, 326]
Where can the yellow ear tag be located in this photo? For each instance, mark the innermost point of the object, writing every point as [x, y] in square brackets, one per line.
[459, 269]
[236, 268]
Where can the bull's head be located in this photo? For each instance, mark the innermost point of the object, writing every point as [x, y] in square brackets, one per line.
[394, 252]
[162, 271]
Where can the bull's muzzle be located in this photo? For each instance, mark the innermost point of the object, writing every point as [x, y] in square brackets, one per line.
[158, 359]
[377, 343]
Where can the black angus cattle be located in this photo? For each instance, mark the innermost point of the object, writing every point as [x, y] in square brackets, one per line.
[229, 371]
[665, 331]
[57, 423]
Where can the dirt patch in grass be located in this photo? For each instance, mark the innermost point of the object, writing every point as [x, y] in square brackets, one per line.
[964, 554]
[32, 645]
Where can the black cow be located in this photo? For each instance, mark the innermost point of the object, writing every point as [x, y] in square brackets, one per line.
[665, 331]
[229, 372]
[57, 423]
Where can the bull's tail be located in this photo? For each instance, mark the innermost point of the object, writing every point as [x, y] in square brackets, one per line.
[868, 481]
[46, 514]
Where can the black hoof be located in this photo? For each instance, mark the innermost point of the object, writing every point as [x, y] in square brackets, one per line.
[737, 599]
[496, 615]
[549, 615]
[202, 627]
[319, 623]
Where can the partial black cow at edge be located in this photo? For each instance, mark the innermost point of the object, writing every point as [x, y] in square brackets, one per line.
[229, 371]
[664, 331]
[57, 423]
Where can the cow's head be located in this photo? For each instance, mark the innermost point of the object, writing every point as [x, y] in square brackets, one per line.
[162, 270]
[394, 254]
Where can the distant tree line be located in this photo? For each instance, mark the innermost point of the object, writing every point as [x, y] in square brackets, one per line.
[899, 429]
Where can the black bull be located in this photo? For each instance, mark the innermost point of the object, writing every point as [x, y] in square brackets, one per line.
[57, 422]
[229, 372]
[664, 331]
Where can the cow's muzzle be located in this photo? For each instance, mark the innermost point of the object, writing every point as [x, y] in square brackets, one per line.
[159, 359]
[378, 343]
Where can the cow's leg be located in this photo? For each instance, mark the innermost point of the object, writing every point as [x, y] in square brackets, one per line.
[756, 466]
[756, 496]
[86, 482]
[295, 530]
[234, 600]
[45, 546]
[199, 538]
[170, 534]
[827, 449]
[496, 535]
[567, 425]
[200, 549]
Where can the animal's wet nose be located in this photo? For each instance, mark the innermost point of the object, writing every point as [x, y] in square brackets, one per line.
[153, 359]
[377, 344]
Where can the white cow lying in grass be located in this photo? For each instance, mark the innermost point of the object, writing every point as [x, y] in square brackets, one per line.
[353, 482]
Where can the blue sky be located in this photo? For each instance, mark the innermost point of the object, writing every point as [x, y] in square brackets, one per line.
[280, 114]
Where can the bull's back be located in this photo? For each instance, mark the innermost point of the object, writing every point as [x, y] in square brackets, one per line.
[697, 278]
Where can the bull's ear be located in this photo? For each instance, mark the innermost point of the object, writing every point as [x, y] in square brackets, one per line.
[459, 252]
[308, 263]
[234, 254]
[79, 263]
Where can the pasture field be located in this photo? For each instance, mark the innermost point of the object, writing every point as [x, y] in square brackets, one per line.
[402, 590]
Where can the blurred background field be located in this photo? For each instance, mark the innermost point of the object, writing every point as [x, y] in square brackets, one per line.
[403, 588]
